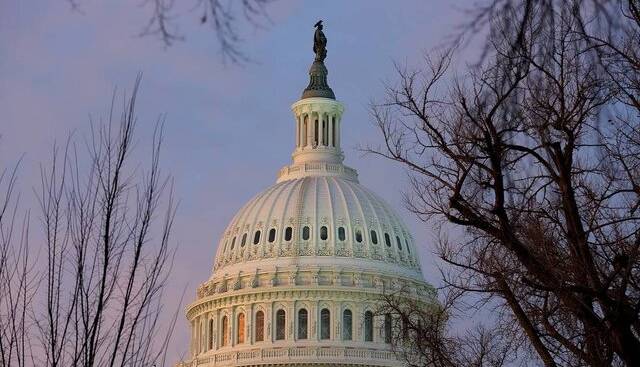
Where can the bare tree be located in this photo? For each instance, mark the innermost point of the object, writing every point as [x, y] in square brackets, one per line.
[95, 297]
[16, 277]
[107, 250]
[222, 16]
[535, 156]
[420, 334]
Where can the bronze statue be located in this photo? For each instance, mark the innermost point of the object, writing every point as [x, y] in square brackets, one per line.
[319, 43]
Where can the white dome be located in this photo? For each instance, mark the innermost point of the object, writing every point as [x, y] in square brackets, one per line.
[347, 225]
[300, 269]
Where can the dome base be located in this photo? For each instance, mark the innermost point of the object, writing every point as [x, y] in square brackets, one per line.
[299, 356]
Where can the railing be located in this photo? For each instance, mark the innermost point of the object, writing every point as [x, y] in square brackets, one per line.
[336, 168]
[299, 354]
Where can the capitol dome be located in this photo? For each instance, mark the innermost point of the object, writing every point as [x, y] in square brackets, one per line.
[335, 220]
[300, 268]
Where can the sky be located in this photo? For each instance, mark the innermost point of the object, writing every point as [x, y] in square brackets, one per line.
[229, 128]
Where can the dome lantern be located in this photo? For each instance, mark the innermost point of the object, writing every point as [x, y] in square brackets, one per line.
[318, 119]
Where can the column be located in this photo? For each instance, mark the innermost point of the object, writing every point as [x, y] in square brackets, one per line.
[297, 132]
[310, 127]
[206, 332]
[291, 322]
[338, 129]
[233, 327]
[199, 335]
[303, 131]
[248, 338]
[193, 339]
[321, 125]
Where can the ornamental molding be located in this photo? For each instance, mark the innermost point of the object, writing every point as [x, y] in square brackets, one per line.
[324, 294]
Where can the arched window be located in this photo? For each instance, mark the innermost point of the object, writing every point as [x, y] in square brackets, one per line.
[256, 238]
[387, 240]
[374, 237]
[272, 235]
[398, 243]
[406, 244]
[324, 233]
[347, 325]
[280, 324]
[224, 330]
[303, 317]
[240, 329]
[358, 236]
[341, 234]
[325, 324]
[210, 334]
[233, 243]
[244, 240]
[368, 326]
[306, 232]
[259, 326]
[288, 232]
[387, 329]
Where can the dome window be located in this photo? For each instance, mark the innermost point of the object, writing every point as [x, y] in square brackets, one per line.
[368, 326]
[398, 243]
[324, 233]
[272, 235]
[303, 317]
[240, 328]
[358, 236]
[341, 234]
[256, 237]
[280, 324]
[325, 324]
[288, 234]
[244, 240]
[406, 243]
[387, 240]
[387, 328]
[347, 325]
[259, 326]
[305, 233]
[374, 237]
[233, 243]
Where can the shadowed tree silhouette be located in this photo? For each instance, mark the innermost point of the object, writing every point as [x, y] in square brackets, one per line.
[534, 154]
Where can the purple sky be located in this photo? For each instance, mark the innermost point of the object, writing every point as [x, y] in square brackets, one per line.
[229, 129]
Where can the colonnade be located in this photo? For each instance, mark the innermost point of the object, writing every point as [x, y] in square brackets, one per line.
[318, 129]
[223, 328]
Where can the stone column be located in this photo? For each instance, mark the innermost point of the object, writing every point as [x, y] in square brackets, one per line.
[310, 128]
[206, 332]
[291, 321]
[297, 132]
[193, 338]
[338, 129]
